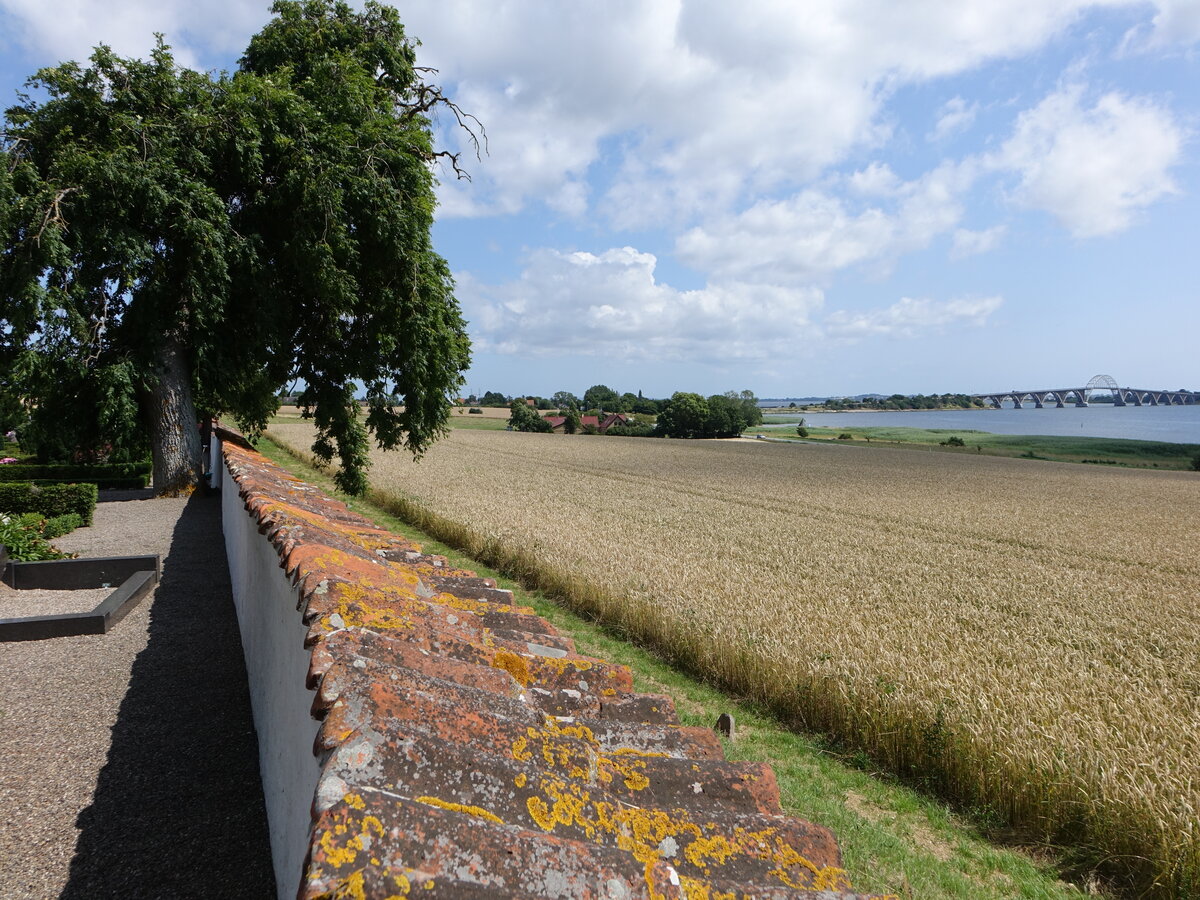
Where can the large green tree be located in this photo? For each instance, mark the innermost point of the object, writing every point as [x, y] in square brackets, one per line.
[601, 396]
[523, 417]
[174, 240]
[689, 415]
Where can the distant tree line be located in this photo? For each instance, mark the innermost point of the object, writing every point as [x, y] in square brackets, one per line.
[683, 415]
[596, 399]
[907, 401]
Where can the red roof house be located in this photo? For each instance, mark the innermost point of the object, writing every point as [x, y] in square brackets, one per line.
[613, 419]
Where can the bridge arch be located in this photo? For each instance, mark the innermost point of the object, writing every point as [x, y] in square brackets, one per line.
[1106, 384]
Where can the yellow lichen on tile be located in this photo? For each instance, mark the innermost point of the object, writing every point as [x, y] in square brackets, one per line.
[626, 764]
[695, 889]
[338, 856]
[564, 804]
[786, 858]
[372, 823]
[514, 664]
[519, 751]
[707, 850]
[351, 888]
[562, 663]
[477, 811]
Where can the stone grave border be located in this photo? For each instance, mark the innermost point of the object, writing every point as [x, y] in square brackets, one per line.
[134, 577]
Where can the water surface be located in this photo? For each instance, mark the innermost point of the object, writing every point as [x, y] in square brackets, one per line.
[1175, 424]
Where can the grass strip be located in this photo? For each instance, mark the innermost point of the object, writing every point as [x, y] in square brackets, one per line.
[1093, 450]
[895, 840]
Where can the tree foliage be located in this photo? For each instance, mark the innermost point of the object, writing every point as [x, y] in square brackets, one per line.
[524, 417]
[688, 415]
[174, 239]
[565, 399]
[600, 396]
[573, 421]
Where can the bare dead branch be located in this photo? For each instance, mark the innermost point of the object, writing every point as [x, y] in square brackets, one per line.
[428, 98]
[53, 215]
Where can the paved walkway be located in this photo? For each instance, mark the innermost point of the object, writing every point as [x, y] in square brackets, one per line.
[130, 762]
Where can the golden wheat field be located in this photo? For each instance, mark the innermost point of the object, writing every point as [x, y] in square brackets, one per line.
[1024, 634]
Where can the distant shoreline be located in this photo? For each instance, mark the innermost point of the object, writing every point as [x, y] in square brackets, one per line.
[815, 410]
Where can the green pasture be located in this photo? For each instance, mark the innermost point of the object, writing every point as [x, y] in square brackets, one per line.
[1092, 450]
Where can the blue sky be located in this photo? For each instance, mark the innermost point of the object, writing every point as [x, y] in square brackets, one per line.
[828, 197]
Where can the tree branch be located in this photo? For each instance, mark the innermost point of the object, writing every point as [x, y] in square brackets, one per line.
[427, 99]
[53, 214]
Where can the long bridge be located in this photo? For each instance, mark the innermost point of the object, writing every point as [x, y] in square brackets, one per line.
[1079, 396]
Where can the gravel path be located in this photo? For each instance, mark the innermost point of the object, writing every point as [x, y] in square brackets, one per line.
[129, 759]
[20, 604]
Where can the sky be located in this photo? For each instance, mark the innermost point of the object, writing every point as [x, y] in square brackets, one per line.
[827, 197]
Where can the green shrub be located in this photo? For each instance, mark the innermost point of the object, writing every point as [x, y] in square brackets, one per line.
[104, 474]
[845, 436]
[104, 484]
[953, 441]
[59, 525]
[23, 537]
[475, 411]
[50, 500]
[635, 429]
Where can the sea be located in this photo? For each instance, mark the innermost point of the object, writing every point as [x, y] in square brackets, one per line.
[1174, 424]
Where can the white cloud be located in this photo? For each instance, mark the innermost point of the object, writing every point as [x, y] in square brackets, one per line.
[813, 234]
[876, 180]
[1176, 22]
[1092, 167]
[955, 116]
[970, 243]
[611, 304]
[679, 109]
[70, 29]
[909, 318]
[647, 112]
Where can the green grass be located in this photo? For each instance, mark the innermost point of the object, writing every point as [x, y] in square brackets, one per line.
[895, 840]
[481, 423]
[1103, 451]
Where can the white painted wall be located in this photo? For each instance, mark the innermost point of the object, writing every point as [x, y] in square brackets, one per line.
[276, 663]
[216, 463]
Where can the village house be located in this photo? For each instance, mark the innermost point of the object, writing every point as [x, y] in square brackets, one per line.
[557, 423]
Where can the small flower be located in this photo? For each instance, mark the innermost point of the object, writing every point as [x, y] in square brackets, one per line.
[7, 460]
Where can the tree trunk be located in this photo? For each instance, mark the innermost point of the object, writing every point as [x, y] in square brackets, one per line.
[174, 436]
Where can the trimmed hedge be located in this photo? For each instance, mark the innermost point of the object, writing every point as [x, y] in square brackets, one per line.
[60, 525]
[104, 484]
[103, 474]
[50, 500]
